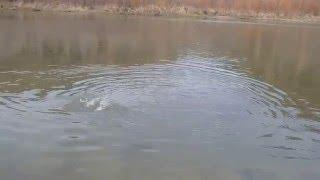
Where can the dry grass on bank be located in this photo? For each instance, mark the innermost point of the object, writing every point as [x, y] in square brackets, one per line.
[250, 8]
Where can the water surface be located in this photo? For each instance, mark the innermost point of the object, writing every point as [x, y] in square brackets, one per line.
[89, 96]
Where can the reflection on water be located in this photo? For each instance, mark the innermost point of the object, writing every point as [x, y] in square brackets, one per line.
[88, 96]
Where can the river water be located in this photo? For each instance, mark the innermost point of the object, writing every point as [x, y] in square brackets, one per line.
[89, 96]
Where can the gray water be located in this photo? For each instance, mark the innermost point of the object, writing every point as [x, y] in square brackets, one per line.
[89, 96]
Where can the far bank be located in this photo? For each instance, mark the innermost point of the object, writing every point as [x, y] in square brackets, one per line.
[157, 10]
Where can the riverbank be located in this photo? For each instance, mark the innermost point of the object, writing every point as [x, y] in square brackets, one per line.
[174, 11]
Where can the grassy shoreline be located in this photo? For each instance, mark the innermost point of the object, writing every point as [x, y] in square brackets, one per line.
[155, 10]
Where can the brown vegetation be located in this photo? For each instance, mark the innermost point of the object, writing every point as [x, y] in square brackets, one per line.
[285, 8]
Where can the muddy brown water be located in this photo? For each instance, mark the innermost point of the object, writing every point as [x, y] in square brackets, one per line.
[89, 96]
